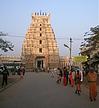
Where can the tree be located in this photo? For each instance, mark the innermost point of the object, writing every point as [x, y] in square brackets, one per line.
[95, 37]
[5, 45]
[90, 47]
[92, 42]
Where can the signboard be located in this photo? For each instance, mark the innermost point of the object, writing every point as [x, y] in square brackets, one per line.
[80, 58]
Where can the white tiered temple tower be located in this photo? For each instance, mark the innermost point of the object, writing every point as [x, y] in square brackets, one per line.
[39, 49]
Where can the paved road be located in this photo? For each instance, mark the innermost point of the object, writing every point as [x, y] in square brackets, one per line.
[11, 80]
[39, 90]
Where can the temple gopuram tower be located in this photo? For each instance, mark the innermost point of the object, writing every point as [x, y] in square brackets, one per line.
[39, 49]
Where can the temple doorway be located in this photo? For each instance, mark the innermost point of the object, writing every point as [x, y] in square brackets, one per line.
[40, 63]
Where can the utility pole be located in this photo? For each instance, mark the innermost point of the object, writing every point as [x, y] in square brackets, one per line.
[70, 52]
[70, 49]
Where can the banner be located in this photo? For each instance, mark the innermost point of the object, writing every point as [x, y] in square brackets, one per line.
[80, 59]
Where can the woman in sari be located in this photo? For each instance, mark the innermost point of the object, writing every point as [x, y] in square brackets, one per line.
[92, 77]
[71, 78]
[78, 82]
[65, 76]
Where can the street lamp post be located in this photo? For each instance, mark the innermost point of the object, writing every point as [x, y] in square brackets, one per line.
[70, 48]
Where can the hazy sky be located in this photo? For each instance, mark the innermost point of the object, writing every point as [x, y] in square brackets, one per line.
[69, 18]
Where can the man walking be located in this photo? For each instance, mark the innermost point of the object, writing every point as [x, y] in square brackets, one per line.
[5, 74]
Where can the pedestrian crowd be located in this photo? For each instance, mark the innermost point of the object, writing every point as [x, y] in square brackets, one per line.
[74, 78]
[65, 76]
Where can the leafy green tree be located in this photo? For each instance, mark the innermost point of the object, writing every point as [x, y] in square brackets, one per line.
[90, 47]
[91, 42]
[5, 45]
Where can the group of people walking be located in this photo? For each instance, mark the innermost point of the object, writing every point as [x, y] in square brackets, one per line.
[70, 77]
[75, 79]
